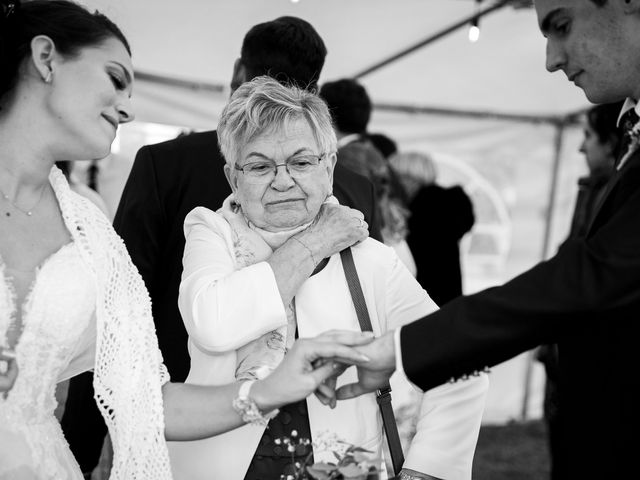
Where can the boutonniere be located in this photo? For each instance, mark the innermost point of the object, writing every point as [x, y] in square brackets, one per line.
[634, 143]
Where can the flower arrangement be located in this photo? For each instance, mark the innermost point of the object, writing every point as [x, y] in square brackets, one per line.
[352, 463]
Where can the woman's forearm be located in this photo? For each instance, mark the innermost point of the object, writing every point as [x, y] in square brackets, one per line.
[336, 227]
[292, 265]
[193, 412]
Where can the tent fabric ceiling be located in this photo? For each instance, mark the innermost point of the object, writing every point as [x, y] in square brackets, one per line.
[199, 40]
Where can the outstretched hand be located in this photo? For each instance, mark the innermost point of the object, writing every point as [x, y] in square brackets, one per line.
[307, 365]
[375, 373]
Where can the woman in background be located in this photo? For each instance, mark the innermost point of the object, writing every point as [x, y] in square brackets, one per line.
[438, 219]
[363, 158]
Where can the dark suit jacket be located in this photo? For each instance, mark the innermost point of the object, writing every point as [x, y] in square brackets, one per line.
[587, 299]
[439, 218]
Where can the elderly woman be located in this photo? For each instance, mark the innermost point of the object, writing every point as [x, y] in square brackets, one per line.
[265, 268]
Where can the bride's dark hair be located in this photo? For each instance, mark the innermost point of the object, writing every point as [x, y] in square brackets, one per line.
[70, 26]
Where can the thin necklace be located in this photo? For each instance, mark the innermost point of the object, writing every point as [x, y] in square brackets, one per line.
[28, 212]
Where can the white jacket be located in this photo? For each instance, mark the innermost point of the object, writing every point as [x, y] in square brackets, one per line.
[224, 308]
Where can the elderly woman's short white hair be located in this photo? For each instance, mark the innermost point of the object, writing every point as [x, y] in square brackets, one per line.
[416, 165]
[262, 106]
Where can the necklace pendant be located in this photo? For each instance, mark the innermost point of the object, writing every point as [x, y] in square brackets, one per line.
[28, 214]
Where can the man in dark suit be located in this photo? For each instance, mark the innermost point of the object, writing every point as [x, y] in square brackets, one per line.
[586, 298]
[170, 179]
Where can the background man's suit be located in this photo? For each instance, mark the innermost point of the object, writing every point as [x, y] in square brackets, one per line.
[586, 299]
[167, 181]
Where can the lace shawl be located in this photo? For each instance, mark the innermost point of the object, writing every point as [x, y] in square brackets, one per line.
[129, 372]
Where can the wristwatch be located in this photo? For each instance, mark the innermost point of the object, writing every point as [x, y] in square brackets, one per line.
[247, 408]
[404, 475]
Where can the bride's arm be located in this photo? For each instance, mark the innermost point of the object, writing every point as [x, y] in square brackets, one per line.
[194, 412]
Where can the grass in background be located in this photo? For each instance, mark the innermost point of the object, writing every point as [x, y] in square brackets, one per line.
[516, 451]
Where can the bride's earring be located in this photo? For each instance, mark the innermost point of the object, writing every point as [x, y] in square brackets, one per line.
[47, 79]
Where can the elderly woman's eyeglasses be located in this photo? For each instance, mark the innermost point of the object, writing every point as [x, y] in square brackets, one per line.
[264, 171]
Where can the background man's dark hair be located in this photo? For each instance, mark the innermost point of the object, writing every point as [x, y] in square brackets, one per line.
[349, 104]
[288, 49]
[603, 119]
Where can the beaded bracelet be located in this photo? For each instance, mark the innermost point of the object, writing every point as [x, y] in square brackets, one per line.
[247, 408]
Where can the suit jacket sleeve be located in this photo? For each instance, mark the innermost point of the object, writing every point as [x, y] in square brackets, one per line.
[586, 279]
[140, 218]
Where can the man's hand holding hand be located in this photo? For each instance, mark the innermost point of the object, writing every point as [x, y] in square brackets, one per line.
[374, 373]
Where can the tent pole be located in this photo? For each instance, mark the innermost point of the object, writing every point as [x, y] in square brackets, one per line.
[560, 127]
[179, 82]
[418, 109]
[430, 39]
[555, 171]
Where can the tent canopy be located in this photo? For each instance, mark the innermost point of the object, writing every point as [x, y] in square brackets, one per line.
[199, 40]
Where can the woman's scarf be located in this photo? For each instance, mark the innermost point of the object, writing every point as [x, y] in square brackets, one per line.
[252, 244]
[128, 373]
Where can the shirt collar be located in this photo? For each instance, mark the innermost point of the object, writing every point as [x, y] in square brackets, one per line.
[629, 103]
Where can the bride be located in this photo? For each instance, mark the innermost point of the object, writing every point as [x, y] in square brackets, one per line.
[70, 299]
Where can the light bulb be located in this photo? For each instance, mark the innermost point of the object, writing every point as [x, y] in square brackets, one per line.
[474, 33]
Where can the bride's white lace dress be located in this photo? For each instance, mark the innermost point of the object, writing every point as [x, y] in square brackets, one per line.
[87, 308]
[58, 339]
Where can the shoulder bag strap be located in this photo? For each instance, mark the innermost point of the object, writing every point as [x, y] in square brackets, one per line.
[383, 396]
